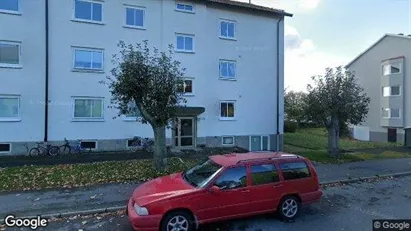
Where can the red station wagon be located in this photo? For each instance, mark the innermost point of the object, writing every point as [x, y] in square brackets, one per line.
[225, 187]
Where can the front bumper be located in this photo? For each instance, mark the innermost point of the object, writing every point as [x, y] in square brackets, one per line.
[142, 223]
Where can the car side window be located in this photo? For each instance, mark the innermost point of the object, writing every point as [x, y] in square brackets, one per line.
[295, 170]
[232, 178]
[264, 174]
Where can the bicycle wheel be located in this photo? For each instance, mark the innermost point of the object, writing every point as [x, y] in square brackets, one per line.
[65, 150]
[34, 152]
[54, 151]
[133, 148]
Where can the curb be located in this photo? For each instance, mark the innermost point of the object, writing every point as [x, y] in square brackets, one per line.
[359, 179]
[74, 213]
[118, 208]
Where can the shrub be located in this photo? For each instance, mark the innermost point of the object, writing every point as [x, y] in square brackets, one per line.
[290, 126]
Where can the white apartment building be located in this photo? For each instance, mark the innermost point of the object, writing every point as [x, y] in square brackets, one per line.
[57, 51]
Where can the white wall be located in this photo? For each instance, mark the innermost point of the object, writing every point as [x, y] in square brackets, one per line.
[254, 51]
[28, 81]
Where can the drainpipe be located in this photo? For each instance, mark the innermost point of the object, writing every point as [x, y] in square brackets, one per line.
[278, 84]
[46, 93]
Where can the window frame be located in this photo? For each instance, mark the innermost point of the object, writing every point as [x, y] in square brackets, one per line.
[192, 86]
[224, 170]
[221, 77]
[10, 147]
[132, 118]
[18, 12]
[185, 4]
[389, 113]
[222, 141]
[192, 36]
[390, 91]
[8, 65]
[390, 64]
[234, 22]
[135, 7]
[283, 179]
[234, 105]
[101, 2]
[90, 141]
[12, 119]
[74, 68]
[87, 119]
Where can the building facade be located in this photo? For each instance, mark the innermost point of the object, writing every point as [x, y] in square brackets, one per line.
[383, 72]
[58, 52]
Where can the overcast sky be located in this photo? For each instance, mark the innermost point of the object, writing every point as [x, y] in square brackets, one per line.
[333, 32]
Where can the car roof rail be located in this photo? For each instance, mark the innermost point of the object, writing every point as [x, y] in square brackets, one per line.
[270, 158]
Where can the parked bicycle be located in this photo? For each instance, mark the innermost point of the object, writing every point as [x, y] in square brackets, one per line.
[67, 148]
[44, 149]
[141, 144]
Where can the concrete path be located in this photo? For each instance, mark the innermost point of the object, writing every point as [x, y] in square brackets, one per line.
[59, 201]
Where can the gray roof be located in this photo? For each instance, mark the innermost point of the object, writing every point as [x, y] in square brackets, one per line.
[245, 5]
[374, 44]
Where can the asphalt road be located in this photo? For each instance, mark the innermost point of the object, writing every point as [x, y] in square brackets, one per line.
[349, 207]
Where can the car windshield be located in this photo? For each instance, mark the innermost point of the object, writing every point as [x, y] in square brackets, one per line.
[201, 174]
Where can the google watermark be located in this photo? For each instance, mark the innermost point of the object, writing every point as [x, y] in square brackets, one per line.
[401, 225]
[32, 223]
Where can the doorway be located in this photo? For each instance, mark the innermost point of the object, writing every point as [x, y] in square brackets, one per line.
[184, 132]
[259, 143]
[392, 135]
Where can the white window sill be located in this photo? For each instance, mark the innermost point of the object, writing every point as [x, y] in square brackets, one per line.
[228, 145]
[10, 12]
[227, 119]
[10, 119]
[88, 21]
[87, 120]
[228, 38]
[87, 70]
[185, 11]
[135, 27]
[132, 119]
[185, 51]
[227, 79]
[392, 96]
[13, 66]
[188, 95]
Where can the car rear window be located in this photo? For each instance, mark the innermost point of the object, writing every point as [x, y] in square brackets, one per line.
[295, 170]
[264, 174]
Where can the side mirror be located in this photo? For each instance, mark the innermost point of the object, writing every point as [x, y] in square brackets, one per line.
[214, 189]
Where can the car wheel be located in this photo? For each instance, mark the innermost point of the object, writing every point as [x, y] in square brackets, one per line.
[178, 221]
[289, 208]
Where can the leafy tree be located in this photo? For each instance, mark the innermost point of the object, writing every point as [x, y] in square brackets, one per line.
[336, 98]
[295, 106]
[147, 81]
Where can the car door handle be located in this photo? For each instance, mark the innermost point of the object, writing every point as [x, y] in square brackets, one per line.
[245, 191]
[277, 185]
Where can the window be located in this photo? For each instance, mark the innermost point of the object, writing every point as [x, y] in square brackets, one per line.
[296, 170]
[9, 5]
[9, 108]
[227, 140]
[88, 10]
[232, 178]
[184, 7]
[264, 174]
[227, 69]
[134, 112]
[5, 148]
[185, 85]
[392, 68]
[391, 91]
[88, 144]
[10, 54]
[88, 59]
[88, 108]
[227, 110]
[185, 43]
[135, 16]
[227, 29]
[391, 113]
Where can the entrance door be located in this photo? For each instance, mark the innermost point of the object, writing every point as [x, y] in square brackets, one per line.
[184, 134]
[392, 135]
[259, 143]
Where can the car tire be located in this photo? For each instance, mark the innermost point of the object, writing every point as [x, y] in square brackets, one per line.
[288, 208]
[182, 218]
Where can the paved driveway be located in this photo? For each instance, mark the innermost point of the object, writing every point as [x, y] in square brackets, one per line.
[350, 207]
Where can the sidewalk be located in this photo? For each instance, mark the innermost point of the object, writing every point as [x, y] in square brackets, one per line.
[102, 196]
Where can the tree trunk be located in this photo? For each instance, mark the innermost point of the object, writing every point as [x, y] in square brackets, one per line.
[334, 138]
[160, 149]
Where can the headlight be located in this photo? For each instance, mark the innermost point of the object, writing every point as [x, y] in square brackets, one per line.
[141, 211]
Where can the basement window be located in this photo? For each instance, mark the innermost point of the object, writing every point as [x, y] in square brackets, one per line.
[5, 147]
[89, 145]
